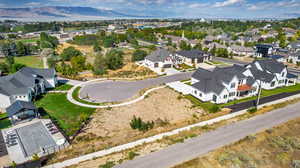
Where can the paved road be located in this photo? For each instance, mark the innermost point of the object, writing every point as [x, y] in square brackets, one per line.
[231, 61]
[195, 147]
[116, 91]
[264, 100]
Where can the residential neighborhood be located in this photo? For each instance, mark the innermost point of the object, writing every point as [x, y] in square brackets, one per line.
[156, 84]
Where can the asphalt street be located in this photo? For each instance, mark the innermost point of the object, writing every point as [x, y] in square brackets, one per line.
[195, 147]
[116, 91]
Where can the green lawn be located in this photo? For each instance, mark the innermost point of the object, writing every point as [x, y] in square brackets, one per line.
[266, 93]
[63, 87]
[68, 116]
[4, 123]
[30, 61]
[30, 40]
[207, 106]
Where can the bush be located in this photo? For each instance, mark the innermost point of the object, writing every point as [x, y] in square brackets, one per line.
[252, 110]
[139, 55]
[139, 124]
[107, 165]
[214, 108]
[132, 155]
[70, 52]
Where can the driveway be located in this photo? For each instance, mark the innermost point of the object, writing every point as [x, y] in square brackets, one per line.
[116, 91]
[195, 147]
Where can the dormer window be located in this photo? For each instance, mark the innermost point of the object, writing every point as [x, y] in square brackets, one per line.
[232, 85]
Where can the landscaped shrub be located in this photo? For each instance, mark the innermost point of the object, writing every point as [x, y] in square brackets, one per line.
[132, 155]
[252, 110]
[107, 165]
[139, 124]
[214, 108]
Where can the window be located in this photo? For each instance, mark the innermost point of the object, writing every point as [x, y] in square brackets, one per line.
[225, 96]
[232, 85]
[273, 84]
[200, 94]
[240, 81]
[231, 94]
[195, 92]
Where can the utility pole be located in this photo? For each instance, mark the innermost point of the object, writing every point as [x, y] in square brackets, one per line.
[258, 95]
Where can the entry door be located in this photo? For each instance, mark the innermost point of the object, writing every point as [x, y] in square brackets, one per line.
[214, 98]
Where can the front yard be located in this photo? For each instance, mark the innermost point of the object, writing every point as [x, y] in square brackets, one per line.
[68, 116]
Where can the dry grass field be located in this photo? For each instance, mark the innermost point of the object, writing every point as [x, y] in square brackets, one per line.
[275, 148]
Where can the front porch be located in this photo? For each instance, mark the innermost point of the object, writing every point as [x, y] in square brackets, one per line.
[244, 91]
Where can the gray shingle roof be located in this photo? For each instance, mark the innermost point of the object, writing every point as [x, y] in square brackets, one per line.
[192, 53]
[159, 55]
[17, 106]
[25, 78]
[212, 81]
[271, 65]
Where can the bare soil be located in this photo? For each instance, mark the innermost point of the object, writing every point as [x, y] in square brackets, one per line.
[111, 127]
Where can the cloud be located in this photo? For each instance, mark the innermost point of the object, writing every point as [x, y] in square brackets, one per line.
[272, 5]
[33, 4]
[198, 5]
[227, 3]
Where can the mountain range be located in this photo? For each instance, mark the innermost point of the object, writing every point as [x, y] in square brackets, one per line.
[62, 12]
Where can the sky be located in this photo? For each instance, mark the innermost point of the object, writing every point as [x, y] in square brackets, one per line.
[179, 8]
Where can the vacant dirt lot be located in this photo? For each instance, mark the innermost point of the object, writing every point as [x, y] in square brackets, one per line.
[110, 127]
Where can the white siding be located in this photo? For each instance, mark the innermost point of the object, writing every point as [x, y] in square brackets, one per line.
[5, 101]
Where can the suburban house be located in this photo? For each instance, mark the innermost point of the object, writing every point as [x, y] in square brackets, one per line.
[241, 50]
[25, 84]
[161, 58]
[294, 57]
[192, 57]
[21, 111]
[294, 46]
[177, 40]
[221, 85]
[263, 50]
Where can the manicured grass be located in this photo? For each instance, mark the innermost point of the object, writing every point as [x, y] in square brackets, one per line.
[63, 87]
[5, 123]
[75, 96]
[30, 40]
[30, 61]
[207, 106]
[266, 93]
[68, 116]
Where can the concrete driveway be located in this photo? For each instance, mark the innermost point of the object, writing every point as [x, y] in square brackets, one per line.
[195, 147]
[116, 91]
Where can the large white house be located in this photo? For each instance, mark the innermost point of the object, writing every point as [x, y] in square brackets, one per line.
[225, 84]
[25, 84]
[161, 58]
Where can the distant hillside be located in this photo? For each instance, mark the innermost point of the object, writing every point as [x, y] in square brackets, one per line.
[61, 12]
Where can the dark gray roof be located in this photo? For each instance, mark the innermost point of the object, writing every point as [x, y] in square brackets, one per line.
[264, 45]
[295, 45]
[291, 76]
[212, 81]
[25, 78]
[17, 106]
[261, 75]
[276, 57]
[159, 55]
[192, 53]
[271, 65]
